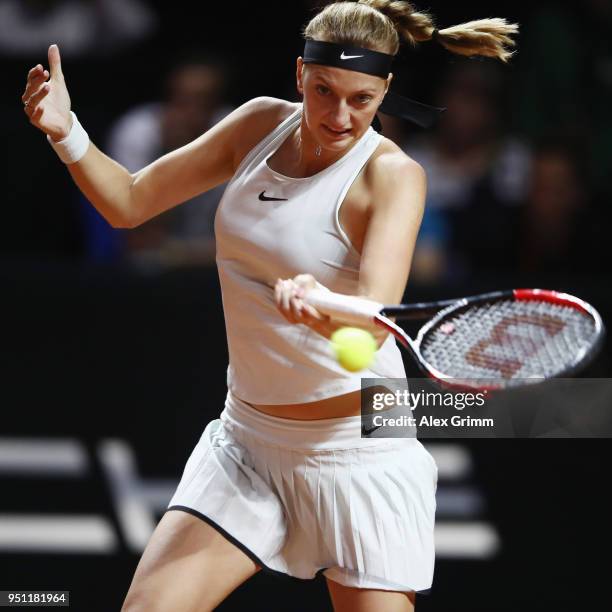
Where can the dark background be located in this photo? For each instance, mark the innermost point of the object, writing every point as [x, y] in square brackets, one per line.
[99, 350]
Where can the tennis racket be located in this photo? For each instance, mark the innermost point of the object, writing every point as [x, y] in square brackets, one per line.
[491, 341]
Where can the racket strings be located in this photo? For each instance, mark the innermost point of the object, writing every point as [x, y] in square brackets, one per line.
[509, 339]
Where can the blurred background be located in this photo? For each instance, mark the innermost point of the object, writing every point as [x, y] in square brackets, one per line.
[114, 351]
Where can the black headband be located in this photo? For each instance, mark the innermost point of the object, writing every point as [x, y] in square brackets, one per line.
[351, 58]
[374, 63]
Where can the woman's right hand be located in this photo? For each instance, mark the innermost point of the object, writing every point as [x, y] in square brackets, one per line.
[47, 103]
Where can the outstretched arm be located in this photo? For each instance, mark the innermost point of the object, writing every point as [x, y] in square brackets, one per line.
[125, 199]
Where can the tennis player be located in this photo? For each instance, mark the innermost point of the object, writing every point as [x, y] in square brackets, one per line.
[283, 481]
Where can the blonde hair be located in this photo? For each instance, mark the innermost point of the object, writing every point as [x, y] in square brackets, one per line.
[379, 24]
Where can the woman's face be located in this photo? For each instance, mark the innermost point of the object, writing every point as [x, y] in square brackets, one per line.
[339, 104]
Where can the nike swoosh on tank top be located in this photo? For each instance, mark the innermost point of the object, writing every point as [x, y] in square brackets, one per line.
[272, 361]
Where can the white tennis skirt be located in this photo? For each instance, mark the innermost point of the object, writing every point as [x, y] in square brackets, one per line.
[302, 497]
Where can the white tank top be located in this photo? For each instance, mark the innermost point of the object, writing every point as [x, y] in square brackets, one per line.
[272, 361]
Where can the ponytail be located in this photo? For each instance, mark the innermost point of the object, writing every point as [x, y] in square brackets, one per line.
[487, 37]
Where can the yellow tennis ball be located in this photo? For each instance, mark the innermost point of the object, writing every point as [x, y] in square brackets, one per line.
[354, 348]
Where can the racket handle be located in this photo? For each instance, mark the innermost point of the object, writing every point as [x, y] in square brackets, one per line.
[344, 308]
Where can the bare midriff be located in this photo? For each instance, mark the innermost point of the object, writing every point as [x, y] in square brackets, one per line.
[345, 405]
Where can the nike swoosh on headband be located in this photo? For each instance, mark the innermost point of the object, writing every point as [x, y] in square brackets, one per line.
[264, 198]
[345, 57]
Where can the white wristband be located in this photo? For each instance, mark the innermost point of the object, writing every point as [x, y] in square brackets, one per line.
[72, 148]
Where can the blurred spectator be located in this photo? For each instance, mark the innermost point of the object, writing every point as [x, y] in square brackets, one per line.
[558, 229]
[193, 102]
[477, 175]
[565, 64]
[81, 28]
